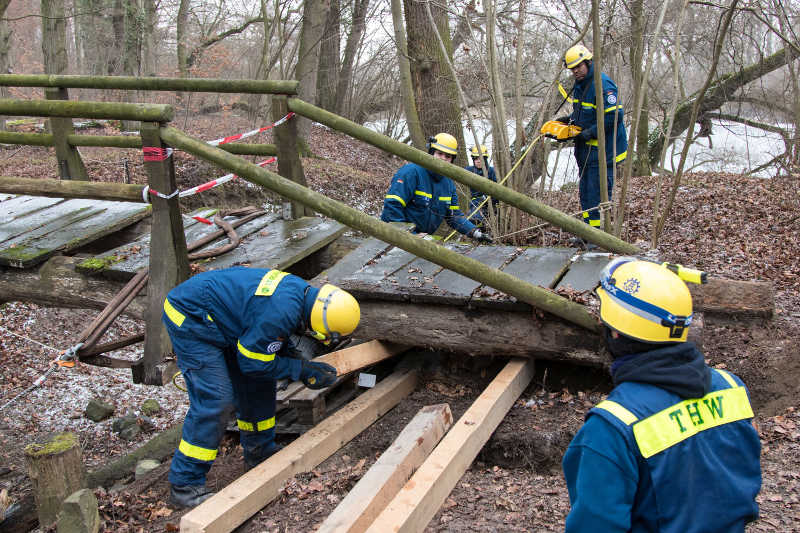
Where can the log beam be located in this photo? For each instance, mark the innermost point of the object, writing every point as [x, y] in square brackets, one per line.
[72, 189]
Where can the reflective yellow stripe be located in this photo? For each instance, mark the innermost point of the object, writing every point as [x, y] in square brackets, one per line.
[592, 142]
[586, 214]
[176, 316]
[395, 197]
[423, 193]
[562, 90]
[609, 109]
[196, 452]
[727, 377]
[677, 423]
[587, 104]
[445, 198]
[266, 357]
[594, 222]
[617, 410]
[263, 425]
[621, 156]
[453, 207]
[209, 318]
[270, 282]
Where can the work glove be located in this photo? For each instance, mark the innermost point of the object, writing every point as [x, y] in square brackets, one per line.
[317, 375]
[584, 135]
[480, 236]
[564, 120]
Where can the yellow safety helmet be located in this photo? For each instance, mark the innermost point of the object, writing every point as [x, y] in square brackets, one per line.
[483, 151]
[576, 55]
[644, 301]
[444, 142]
[335, 313]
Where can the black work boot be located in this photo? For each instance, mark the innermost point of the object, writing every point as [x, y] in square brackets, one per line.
[252, 460]
[188, 496]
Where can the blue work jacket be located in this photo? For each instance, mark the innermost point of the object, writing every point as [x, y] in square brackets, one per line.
[424, 198]
[647, 460]
[475, 193]
[584, 114]
[252, 311]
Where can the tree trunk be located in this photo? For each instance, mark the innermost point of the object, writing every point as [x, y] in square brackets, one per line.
[328, 71]
[56, 470]
[54, 37]
[720, 92]
[344, 85]
[148, 67]
[418, 138]
[315, 13]
[5, 66]
[182, 35]
[435, 90]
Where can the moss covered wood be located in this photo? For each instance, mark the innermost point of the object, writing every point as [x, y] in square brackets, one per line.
[72, 189]
[510, 196]
[121, 141]
[526, 292]
[289, 163]
[169, 261]
[116, 111]
[70, 164]
[151, 84]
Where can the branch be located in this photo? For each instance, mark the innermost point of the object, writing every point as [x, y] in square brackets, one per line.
[211, 41]
[747, 122]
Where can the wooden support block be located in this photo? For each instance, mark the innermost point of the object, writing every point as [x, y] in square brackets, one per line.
[244, 497]
[742, 299]
[388, 475]
[421, 497]
[360, 356]
[312, 404]
[56, 470]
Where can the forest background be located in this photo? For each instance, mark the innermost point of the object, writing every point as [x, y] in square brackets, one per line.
[485, 71]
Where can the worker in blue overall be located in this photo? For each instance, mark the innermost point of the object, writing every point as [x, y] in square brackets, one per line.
[230, 332]
[672, 448]
[421, 196]
[480, 166]
[584, 115]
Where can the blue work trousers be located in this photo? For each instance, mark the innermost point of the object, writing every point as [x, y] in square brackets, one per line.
[590, 190]
[216, 387]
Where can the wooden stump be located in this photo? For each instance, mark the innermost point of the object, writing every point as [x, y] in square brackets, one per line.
[56, 470]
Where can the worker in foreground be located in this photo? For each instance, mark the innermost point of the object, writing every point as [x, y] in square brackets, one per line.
[672, 448]
[480, 166]
[584, 115]
[421, 196]
[230, 332]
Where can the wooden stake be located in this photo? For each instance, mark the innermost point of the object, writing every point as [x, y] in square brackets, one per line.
[388, 475]
[241, 499]
[56, 470]
[413, 508]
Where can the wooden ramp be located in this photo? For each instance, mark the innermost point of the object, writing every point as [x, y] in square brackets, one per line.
[34, 228]
[267, 242]
[378, 271]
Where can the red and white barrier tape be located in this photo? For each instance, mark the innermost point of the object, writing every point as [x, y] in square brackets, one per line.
[200, 188]
[232, 138]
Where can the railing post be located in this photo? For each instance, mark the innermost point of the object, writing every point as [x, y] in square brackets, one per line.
[289, 164]
[70, 164]
[169, 263]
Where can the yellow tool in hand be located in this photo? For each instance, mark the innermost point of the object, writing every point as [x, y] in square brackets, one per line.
[690, 275]
[559, 131]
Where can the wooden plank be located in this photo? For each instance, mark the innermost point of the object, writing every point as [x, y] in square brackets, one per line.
[244, 497]
[584, 272]
[390, 472]
[456, 288]
[74, 223]
[538, 266]
[20, 206]
[281, 244]
[421, 497]
[42, 220]
[352, 262]
[370, 279]
[360, 356]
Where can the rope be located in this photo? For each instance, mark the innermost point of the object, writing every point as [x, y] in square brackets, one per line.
[486, 199]
[603, 207]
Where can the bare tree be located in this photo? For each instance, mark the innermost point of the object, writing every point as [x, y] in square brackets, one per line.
[406, 88]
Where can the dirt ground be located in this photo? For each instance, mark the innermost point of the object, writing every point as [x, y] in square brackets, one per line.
[732, 226]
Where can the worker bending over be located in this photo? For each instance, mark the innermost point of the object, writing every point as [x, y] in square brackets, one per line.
[230, 332]
[480, 166]
[672, 448]
[425, 198]
[584, 115]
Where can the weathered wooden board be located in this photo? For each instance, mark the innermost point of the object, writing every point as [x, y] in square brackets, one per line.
[456, 288]
[584, 272]
[280, 244]
[351, 262]
[33, 228]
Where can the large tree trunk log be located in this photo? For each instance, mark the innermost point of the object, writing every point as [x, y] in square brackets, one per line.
[741, 299]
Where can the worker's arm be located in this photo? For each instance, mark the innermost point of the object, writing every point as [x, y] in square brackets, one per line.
[602, 478]
[399, 196]
[455, 218]
[259, 347]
